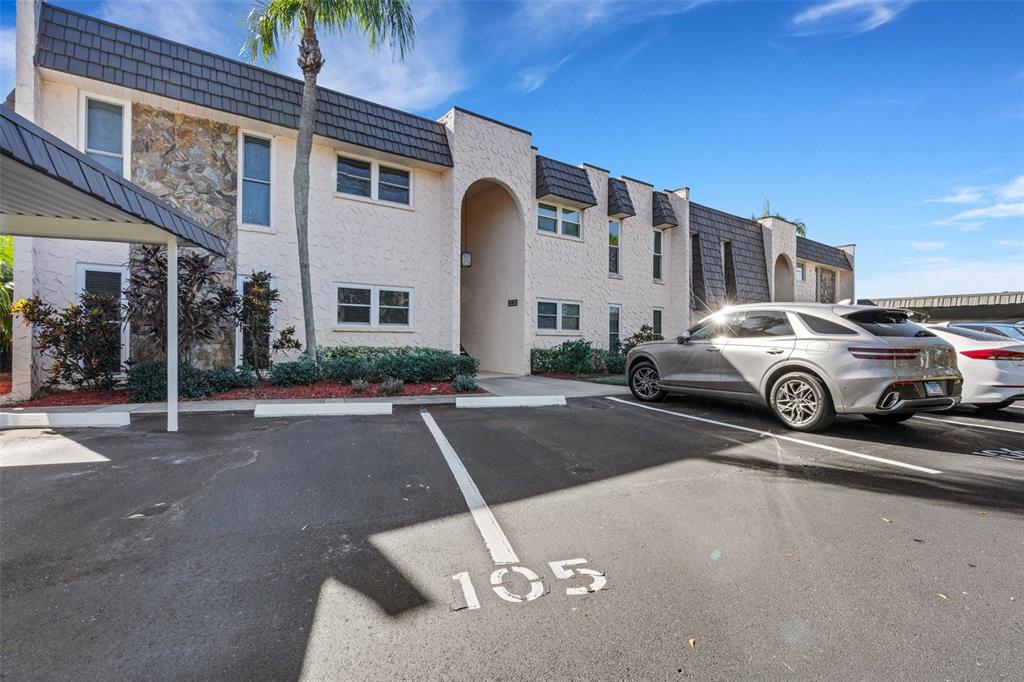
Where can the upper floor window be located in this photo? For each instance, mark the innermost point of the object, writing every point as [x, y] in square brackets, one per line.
[372, 180]
[374, 306]
[657, 254]
[801, 272]
[729, 270]
[255, 181]
[105, 134]
[558, 220]
[614, 233]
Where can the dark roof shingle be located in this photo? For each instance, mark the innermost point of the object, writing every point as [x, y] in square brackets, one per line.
[561, 180]
[92, 48]
[663, 215]
[620, 204]
[711, 227]
[808, 249]
[30, 145]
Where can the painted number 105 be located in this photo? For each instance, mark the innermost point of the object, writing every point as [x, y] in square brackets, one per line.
[562, 570]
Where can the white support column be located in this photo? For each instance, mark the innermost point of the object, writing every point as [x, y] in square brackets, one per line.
[172, 334]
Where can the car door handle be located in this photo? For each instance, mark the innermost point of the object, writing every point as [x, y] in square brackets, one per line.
[774, 351]
[713, 349]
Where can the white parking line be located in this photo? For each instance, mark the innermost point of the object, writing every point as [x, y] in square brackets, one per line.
[495, 539]
[769, 434]
[980, 426]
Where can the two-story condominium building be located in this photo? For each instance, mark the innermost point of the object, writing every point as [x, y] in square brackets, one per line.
[453, 233]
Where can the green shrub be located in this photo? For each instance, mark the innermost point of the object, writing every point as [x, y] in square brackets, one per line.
[645, 335]
[464, 384]
[298, 373]
[574, 357]
[614, 362]
[360, 385]
[391, 386]
[147, 381]
[410, 364]
[245, 378]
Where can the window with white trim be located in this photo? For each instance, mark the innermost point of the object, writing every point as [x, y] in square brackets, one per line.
[558, 316]
[614, 237]
[559, 220]
[801, 272]
[657, 255]
[105, 133]
[373, 180]
[255, 180]
[613, 326]
[363, 305]
[656, 320]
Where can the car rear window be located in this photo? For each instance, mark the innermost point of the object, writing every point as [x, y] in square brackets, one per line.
[819, 325]
[887, 323]
[969, 333]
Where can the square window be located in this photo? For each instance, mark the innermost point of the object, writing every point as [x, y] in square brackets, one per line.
[394, 307]
[354, 177]
[547, 218]
[354, 305]
[393, 185]
[547, 315]
[570, 222]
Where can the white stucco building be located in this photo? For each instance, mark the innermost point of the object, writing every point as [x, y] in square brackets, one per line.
[455, 233]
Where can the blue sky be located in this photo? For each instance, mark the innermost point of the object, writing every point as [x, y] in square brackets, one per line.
[897, 125]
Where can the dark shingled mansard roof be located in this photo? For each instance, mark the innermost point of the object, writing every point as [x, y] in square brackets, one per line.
[808, 249]
[91, 48]
[619, 201]
[711, 227]
[561, 180]
[32, 146]
[664, 216]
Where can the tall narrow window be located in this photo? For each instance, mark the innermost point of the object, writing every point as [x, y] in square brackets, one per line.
[698, 299]
[656, 321]
[614, 230]
[104, 134]
[729, 271]
[255, 181]
[657, 254]
[613, 327]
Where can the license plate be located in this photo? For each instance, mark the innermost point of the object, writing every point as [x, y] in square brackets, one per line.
[933, 388]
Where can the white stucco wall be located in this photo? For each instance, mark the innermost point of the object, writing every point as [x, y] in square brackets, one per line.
[779, 240]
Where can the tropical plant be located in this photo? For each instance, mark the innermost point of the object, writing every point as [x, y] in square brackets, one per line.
[766, 212]
[644, 335]
[6, 300]
[82, 340]
[271, 22]
[253, 311]
[203, 303]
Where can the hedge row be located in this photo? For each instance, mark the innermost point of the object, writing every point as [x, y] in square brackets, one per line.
[350, 363]
[147, 381]
[576, 357]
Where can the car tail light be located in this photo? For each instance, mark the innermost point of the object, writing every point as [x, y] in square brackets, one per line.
[884, 353]
[993, 354]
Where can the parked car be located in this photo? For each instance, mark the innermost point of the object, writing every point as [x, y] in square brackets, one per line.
[806, 361]
[992, 366]
[1006, 329]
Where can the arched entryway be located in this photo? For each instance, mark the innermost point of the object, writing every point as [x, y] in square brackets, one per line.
[492, 287]
[784, 279]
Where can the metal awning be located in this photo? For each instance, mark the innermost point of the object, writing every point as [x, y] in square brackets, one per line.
[50, 189]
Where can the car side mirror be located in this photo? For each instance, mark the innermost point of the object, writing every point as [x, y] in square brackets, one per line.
[683, 338]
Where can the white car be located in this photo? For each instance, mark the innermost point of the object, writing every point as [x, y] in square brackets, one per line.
[992, 366]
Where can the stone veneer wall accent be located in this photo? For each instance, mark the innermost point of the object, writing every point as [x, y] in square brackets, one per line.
[191, 163]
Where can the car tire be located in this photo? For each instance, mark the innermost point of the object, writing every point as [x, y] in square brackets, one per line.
[802, 402]
[992, 407]
[641, 376]
[889, 419]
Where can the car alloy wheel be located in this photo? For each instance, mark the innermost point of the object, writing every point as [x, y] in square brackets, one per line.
[646, 383]
[797, 401]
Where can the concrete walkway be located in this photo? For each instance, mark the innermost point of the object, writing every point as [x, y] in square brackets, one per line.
[508, 385]
[502, 385]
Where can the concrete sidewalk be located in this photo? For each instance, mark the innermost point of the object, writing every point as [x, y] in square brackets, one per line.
[501, 385]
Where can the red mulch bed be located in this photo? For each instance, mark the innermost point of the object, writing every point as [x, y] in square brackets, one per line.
[317, 391]
[5, 383]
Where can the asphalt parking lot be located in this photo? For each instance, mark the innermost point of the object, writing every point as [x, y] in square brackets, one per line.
[603, 539]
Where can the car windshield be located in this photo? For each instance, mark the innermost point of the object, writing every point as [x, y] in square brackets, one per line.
[887, 323]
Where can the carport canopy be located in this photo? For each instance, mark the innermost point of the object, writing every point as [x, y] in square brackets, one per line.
[50, 189]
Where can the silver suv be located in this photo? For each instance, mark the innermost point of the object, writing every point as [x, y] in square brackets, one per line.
[807, 361]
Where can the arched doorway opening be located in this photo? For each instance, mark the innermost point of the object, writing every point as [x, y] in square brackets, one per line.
[492, 287]
[784, 279]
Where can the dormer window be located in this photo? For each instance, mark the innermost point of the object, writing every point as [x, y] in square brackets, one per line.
[559, 220]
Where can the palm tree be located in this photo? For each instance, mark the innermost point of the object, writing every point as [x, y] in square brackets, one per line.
[766, 212]
[271, 22]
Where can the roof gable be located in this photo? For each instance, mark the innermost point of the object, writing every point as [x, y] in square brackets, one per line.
[561, 180]
[91, 48]
[620, 204]
[808, 249]
[663, 215]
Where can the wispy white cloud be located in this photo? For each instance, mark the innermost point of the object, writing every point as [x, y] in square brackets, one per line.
[959, 195]
[1009, 243]
[534, 77]
[1003, 200]
[928, 246]
[1001, 210]
[430, 74]
[920, 277]
[847, 16]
